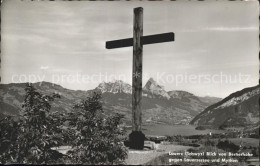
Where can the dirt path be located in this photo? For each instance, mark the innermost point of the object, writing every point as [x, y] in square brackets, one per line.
[136, 157]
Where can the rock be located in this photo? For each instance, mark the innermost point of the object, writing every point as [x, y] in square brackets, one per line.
[151, 145]
[157, 139]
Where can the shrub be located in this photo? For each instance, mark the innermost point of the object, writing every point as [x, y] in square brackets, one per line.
[98, 138]
[8, 138]
[37, 130]
[228, 146]
[200, 128]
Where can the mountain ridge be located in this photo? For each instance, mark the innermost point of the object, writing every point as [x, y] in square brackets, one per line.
[237, 109]
[116, 98]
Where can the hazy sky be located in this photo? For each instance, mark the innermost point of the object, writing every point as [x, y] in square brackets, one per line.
[63, 41]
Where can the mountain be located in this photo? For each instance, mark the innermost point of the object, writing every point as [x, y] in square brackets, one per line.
[12, 96]
[153, 90]
[209, 99]
[238, 109]
[158, 106]
[183, 95]
[115, 87]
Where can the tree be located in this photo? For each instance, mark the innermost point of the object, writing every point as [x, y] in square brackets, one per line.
[41, 129]
[8, 136]
[228, 146]
[37, 131]
[98, 138]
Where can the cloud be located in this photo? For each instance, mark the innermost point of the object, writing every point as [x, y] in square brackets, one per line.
[44, 67]
[220, 28]
[232, 28]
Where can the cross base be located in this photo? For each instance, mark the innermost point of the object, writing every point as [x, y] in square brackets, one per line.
[136, 140]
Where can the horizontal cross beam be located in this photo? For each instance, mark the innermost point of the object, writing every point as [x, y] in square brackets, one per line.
[151, 39]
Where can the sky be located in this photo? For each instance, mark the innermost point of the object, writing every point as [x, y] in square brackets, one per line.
[215, 51]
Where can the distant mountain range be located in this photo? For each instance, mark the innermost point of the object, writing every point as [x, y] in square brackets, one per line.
[159, 106]
[12, 96]
[239, 109]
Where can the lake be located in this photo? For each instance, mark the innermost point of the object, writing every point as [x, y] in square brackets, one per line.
[185, 130]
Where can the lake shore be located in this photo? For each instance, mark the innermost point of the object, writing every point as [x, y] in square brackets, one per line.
[170, 130]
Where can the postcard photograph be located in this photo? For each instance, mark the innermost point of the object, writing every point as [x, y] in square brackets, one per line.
[129, 82]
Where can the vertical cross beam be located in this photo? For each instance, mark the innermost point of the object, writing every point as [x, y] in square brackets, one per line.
[137, 69]
[136, 138]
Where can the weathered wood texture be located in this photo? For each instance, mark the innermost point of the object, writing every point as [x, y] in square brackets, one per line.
[150, 39]
[137, 70]
[137, 42]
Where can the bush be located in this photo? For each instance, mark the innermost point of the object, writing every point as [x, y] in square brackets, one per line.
[200, 128]
[8, 138]
[29, 139]
[228, 146]
[255, 151]
[98, 139]
[37, 130]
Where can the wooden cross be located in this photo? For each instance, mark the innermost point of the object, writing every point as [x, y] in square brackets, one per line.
[137, 42]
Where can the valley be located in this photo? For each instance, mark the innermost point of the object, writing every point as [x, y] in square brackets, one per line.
[182, 120]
